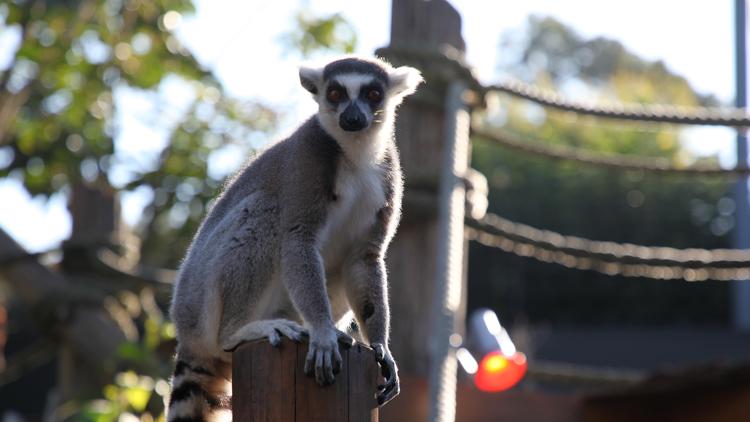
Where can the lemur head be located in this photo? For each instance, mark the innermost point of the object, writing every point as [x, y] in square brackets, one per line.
[358, 95]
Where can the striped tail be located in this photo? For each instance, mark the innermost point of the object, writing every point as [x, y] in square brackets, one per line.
[199, 394]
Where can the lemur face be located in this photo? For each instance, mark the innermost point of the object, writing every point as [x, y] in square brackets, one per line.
[354, 100]
[356, 95]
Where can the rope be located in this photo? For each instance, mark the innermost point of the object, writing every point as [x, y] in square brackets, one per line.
[569, 373]
[650, 113]
[610, 258]
[624, 162]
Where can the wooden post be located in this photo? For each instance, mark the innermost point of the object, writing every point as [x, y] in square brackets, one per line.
[89, 334]
[426, 35]
[448, 312]
[96, 215]
[741, 289]
[269, 385]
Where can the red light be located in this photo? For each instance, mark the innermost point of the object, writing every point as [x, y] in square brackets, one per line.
[498, 372]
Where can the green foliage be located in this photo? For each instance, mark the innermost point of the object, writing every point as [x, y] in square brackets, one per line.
[126, 399]
[181, 183]
[550, 50]
[59, 105]
[602, 204]
[59, 108]
[57, 96]
[553, 56]
[314, 33]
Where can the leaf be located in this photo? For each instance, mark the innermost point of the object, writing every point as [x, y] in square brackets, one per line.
[137, 397]
[130, 351]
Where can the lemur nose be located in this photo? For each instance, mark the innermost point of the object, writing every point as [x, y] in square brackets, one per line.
[352, 119]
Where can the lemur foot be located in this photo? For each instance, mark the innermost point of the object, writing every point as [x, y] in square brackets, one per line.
[323, 357]
[388, 369]
[272, 329]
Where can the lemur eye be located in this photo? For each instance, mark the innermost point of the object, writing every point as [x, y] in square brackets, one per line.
[374, 95]
[334, 95]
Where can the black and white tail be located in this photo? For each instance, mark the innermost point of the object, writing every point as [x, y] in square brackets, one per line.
[199, 394]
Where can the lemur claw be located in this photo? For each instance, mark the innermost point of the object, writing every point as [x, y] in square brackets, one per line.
[323, 358]
[388, 369]
[272, 329]
[346, 340]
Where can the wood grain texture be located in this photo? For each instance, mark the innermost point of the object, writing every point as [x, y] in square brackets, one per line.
[263, 379]
[327, 403]
[269, 385]
[363, 384]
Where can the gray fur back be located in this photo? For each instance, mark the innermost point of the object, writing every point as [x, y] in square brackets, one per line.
[246, 222]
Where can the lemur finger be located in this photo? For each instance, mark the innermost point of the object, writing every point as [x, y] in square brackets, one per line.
[385, 369]
[273, 338]
[390, 391]
[301, 330]
[310, 362]
[336, 361]
[328, 368]
[319, 370]
[294, 326]
[291, 333]
[388, 395]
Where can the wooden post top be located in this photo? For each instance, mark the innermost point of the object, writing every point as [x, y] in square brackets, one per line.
[426, 24]
[269, 385]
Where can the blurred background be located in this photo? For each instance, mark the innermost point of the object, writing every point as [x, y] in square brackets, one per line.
[120, 120]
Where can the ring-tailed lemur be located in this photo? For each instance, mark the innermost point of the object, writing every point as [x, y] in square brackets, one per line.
[296, 242]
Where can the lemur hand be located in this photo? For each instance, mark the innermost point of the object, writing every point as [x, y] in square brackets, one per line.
[323, 357]
[390, 388]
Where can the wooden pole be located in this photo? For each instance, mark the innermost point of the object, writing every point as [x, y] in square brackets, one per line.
[426, 35]
[447, 310]
[269, 385]
[741, 289]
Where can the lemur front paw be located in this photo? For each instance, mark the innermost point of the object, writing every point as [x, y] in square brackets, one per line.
[323, 357]
[271, 329]
[388, 369]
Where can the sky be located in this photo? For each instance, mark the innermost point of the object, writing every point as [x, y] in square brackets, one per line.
[239, 41]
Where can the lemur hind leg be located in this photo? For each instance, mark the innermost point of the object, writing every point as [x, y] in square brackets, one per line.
[272, 329]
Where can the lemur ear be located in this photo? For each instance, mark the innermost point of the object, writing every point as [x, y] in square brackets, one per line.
[404, 80]
[310, 78]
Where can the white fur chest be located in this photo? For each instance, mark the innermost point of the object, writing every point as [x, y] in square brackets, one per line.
[360, 195]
